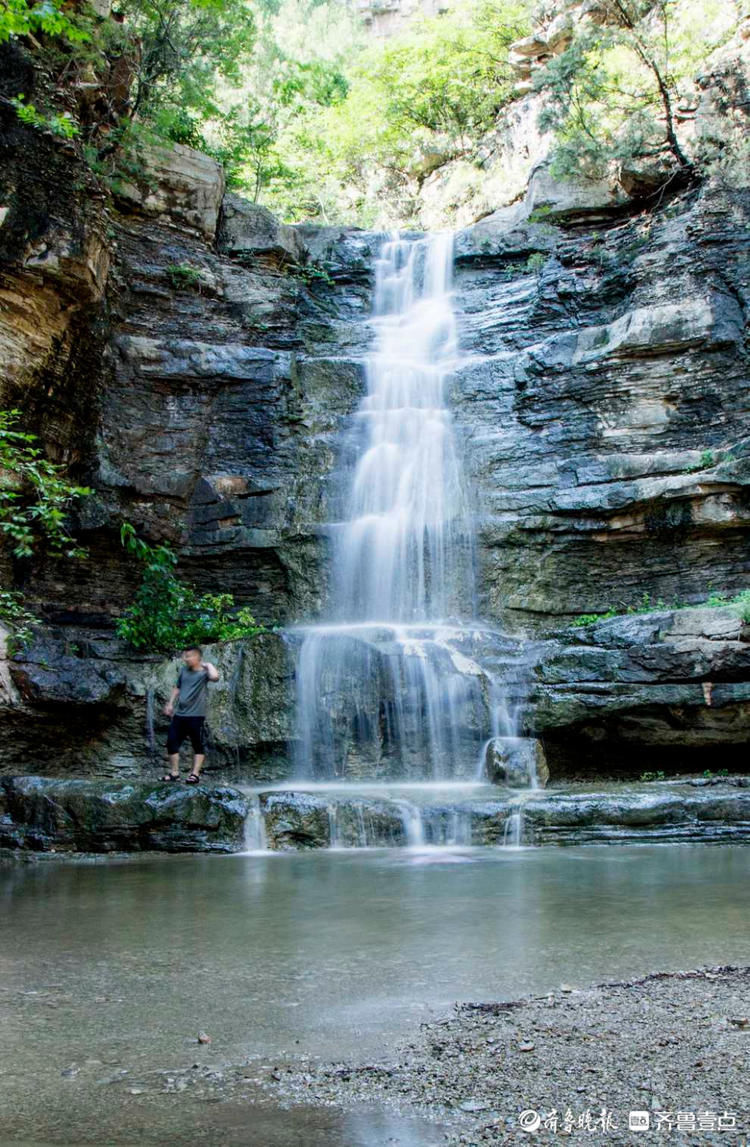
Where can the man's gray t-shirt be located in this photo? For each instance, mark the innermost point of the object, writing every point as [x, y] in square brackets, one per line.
[193, 686]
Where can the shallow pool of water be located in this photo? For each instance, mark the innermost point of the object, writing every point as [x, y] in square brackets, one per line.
[328, 954]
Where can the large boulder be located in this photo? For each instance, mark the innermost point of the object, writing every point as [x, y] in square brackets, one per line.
[517, 762]
[180, 186]
[248, 229]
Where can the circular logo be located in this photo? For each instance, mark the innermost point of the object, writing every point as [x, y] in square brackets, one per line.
[529, 1120]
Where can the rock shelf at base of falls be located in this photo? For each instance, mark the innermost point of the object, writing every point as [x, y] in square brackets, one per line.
[665, 690]
[71, 816]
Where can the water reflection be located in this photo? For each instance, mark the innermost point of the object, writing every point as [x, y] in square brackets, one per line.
[336, 935]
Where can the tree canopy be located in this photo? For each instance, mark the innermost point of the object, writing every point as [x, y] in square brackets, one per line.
[615, 93]
[316, 118]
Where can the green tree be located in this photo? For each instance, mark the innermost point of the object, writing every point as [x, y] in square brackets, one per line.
[35, 502]
[35, 495]
[178, 55]
[302, 51]
[184, 47]
[406, 106]
[157, 64]
[612, 94]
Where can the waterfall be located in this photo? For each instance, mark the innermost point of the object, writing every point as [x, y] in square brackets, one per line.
[513, 827]
[403, 551]
[255, 827]
[387, 684]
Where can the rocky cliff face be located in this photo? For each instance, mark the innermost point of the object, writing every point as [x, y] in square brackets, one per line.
[660, 692]
[605, 407]
[218, 389]
[195, 361]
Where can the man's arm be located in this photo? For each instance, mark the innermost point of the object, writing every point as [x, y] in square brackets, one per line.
[213, 672]
[169, 707]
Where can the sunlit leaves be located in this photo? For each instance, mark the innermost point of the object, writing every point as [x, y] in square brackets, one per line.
[20, 18]
[409, 103]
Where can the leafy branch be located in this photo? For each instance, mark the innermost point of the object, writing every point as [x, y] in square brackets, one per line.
[18, 618]
[35, 496]
[168, 614]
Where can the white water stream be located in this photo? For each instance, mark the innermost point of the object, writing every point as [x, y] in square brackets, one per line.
[389, 684]
[403, 552]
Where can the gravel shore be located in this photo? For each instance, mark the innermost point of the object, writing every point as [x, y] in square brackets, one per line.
[674, 1045]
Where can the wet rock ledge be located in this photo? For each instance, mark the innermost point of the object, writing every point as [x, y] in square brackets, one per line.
[45, 815]
[99, 816]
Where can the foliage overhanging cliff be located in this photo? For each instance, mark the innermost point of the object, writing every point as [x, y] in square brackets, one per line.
[435, 126]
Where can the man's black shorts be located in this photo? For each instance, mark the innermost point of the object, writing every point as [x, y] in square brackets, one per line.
[182, 727]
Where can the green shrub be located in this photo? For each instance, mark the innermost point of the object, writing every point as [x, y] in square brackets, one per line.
[533, 265]
[310, 273]
[167, 614]
[184, 276]
[592, 618]
[740, 601]
[535, 262]
[743, 601]
[646, 606]
[705, 462]
[60, 124]
[34, 495]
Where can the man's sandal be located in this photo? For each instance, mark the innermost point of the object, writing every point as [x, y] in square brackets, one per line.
[170, 777]
[193, 779]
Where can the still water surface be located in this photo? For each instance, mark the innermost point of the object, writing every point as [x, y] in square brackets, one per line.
[336, 955]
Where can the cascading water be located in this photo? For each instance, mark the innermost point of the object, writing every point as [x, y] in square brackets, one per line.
[255, 827]
[403, 552]
[384, 688]
[390, 685]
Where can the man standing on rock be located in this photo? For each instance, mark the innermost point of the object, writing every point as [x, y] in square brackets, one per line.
[187, 708]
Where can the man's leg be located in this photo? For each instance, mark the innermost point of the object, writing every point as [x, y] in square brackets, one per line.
[197, 737]
[175, 737]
